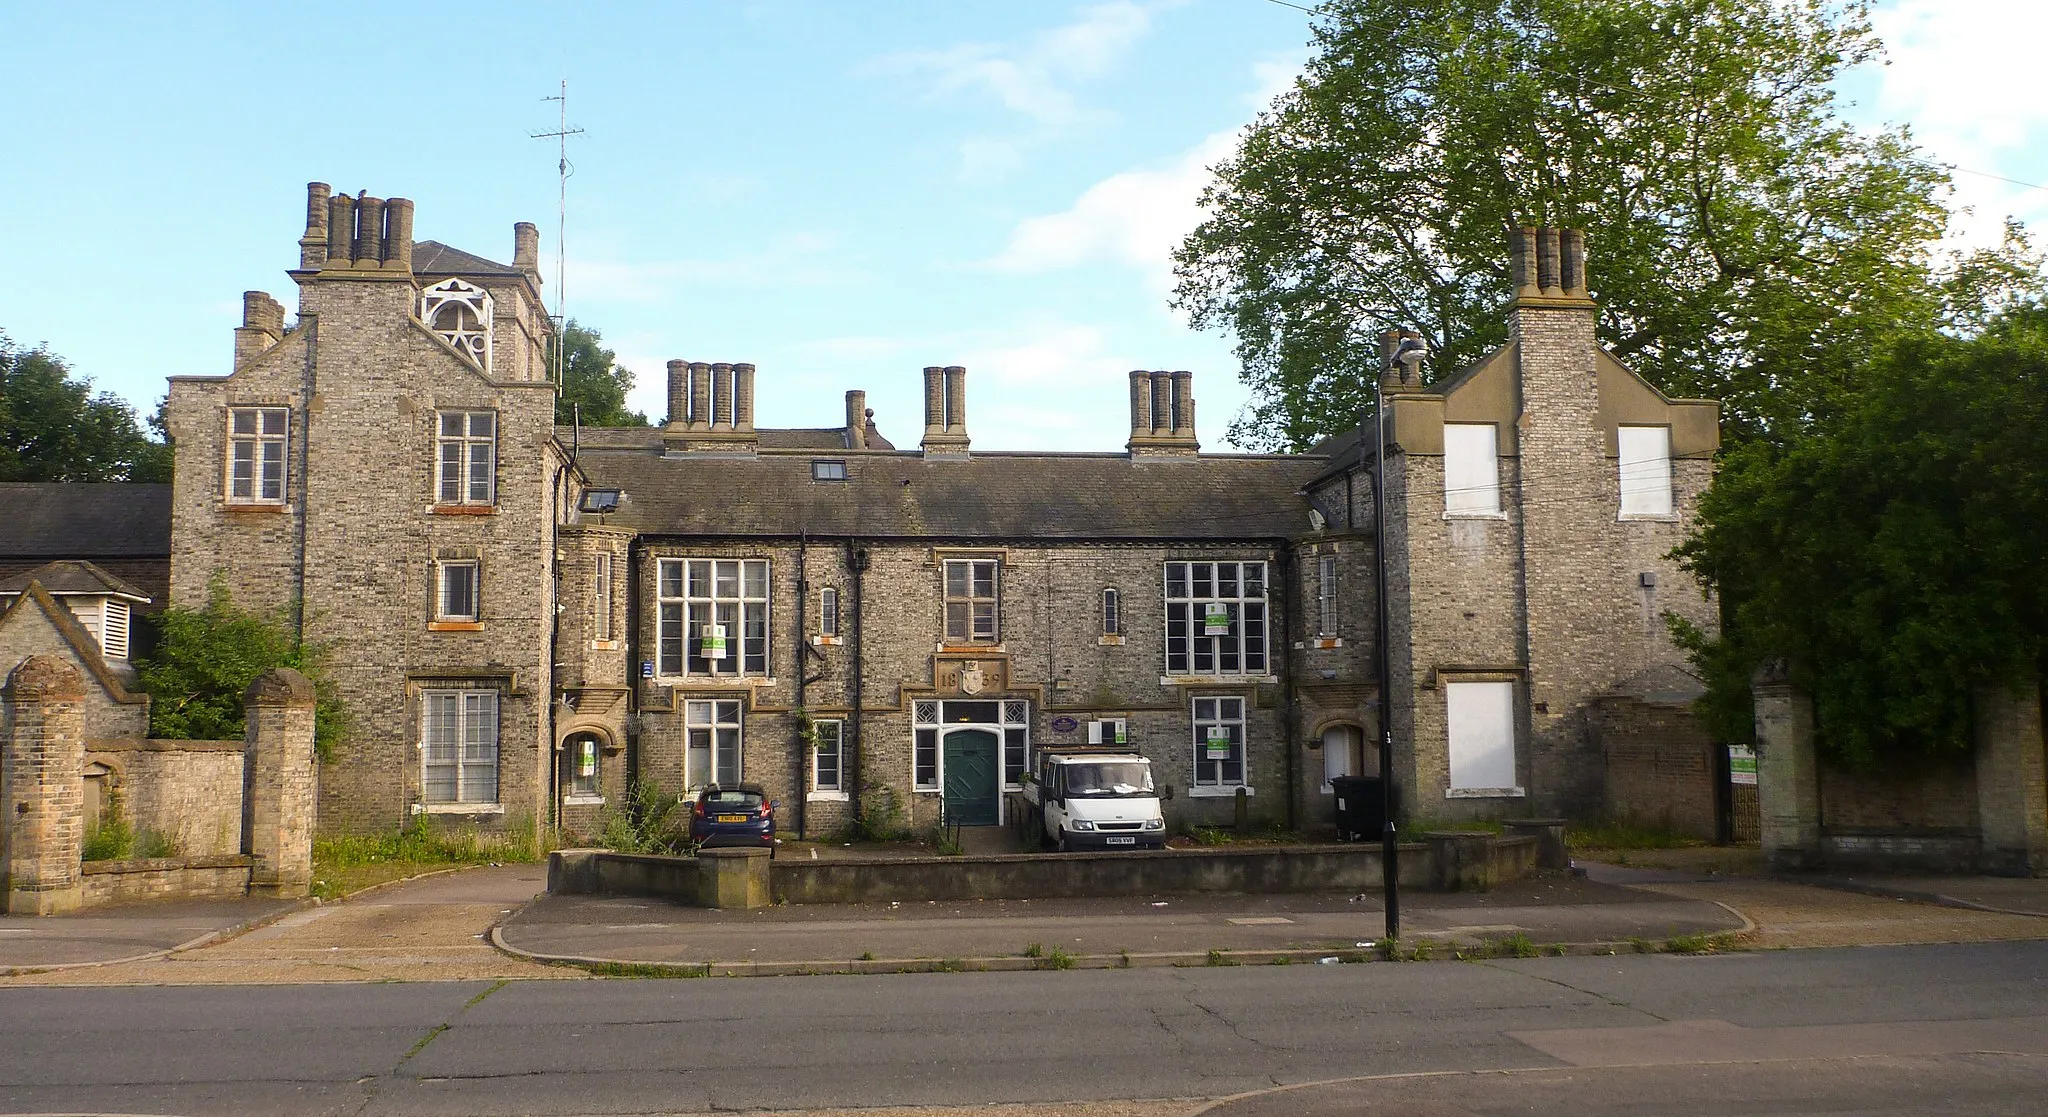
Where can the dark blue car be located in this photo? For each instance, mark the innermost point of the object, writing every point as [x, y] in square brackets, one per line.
[737, 814]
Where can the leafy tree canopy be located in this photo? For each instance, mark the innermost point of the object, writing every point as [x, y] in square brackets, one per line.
[1745, 243]
[596, 385]
[1896, 554]
[204, 660]
[54, 428]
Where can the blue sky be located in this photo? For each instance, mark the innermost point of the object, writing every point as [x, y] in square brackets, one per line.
[840, 192]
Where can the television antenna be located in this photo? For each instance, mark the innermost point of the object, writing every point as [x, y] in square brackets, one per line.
[561, 136]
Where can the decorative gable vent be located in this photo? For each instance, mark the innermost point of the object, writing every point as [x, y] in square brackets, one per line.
[460, 313]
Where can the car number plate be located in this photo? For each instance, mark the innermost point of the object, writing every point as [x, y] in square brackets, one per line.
[1123, 841]
[732, 818]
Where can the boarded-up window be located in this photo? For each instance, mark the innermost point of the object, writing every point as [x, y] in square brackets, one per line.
[1471, 470]
[1645, 471]
[1482, 737]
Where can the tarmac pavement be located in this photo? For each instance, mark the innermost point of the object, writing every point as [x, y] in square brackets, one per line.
[1551, 914]
[126, 931]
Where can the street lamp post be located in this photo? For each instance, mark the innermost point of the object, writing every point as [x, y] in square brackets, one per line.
[1406, 358]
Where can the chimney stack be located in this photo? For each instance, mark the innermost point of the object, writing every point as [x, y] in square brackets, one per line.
[526, 248]
[945, 411]
[1162, 415]
[856, 420]
[710, 408]
[262, 324]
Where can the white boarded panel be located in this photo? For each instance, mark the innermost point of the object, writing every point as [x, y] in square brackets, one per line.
[1645, 470]
[1482, 733]
[1471, 470]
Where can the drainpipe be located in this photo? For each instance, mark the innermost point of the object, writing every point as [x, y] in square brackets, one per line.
[856, 563]
[800, 784]
[1290, 577]
[632, 718]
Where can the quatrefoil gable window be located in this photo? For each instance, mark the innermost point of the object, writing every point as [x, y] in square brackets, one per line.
[461, 314]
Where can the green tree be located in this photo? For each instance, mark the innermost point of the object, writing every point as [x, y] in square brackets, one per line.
[54, 428]
[1747, 245]
[204, 660]
[1896, 555]
[596, 385]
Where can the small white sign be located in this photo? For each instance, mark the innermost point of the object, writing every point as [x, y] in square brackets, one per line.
[712, 646]
[1218, 744]
[1742, 765]
[1215, 618]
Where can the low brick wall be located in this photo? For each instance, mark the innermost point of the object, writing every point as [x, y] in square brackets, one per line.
[1345, 868]
[166, 878]
[188, 790]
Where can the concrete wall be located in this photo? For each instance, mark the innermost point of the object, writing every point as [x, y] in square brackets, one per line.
[1424, 866]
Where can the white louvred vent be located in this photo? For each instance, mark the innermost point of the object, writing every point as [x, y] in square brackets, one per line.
[114, 630]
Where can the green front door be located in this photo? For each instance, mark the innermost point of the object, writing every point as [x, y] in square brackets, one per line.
[971, 785]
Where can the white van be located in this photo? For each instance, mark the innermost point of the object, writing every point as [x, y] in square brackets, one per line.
[1094, 797]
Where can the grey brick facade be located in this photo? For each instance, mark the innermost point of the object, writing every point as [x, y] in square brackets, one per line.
[589, 649]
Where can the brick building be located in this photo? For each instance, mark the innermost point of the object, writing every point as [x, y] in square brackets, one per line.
[522, 616]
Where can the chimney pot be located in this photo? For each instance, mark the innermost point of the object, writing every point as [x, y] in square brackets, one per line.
[700, 395]
[369, 246]
[1184, 405]
[1547, 263]
[313, 245]
[341, 230]
[1573, 261]
[1522, 261]
[1141, 402]
[743, 397]
[398, 242]
[956, 400]
[678, 393]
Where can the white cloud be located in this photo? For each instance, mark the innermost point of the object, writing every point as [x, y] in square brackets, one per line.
[1132, 218]
[1136, 218]
[1037, 78]
[1969, 85]
[1033, 78]
[796, 258]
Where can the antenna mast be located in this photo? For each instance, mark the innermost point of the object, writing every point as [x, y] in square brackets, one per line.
[561, 136]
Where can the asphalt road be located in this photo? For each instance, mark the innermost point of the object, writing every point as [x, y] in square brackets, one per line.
[1891, 1029]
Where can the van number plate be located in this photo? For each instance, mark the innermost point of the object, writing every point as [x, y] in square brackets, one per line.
[1123, 841]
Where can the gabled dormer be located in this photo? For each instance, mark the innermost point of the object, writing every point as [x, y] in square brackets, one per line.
[101, 603]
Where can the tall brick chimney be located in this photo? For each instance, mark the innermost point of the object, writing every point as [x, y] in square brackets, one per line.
[1162, 415]
[856, 420]
[945, 411]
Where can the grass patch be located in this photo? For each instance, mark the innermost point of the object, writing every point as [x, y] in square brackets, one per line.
[1417, 826]
[350, 864]
[1219, 958]
[1700, 943]
[1516, 945]
[1034, 950]
[1057, 959]
[1625, 834]
[110, 837]
[647, 970]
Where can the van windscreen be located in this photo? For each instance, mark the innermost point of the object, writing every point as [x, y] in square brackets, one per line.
[1110, 778]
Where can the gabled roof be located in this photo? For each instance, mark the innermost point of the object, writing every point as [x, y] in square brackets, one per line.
[35, 600]
[988, 496]
[49, 520]
[431, 257]
[74, 577]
